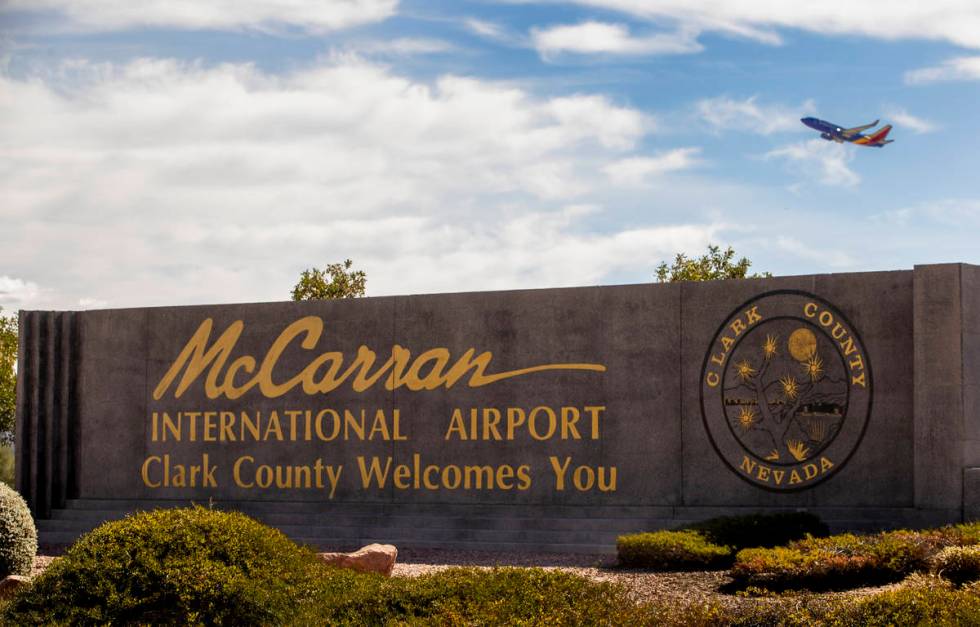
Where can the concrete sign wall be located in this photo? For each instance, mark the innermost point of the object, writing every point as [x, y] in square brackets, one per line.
[853, 395]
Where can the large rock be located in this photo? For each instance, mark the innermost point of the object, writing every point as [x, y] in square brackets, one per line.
[11, 584]
[373, 558]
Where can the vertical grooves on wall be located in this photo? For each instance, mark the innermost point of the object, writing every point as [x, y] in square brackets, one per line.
[72, 412]
[49, 417]
[66, 368]
[22, 474]
[35, 460]
[680, 381]
[963, 376]
[45, 409]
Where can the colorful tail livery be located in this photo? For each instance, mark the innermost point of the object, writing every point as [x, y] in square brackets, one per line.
[876, 139]
[832, 132]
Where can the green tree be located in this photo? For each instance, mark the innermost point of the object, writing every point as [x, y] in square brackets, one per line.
[337, 280]
[7, 464]
[715, 264]
[8, 377]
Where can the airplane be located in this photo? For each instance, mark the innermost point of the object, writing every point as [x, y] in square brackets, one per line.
[832, 132]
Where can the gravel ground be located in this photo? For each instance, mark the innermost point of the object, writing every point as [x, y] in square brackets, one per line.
[644, 586]
[671, 587]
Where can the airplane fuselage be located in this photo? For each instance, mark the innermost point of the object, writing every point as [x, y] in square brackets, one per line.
[839, 134]
[828, 131]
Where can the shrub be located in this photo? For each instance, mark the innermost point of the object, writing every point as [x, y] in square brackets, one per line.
[714, 613]
[184, 566]
[959, 564]
[781, 568]
[760, 530]
[7, 464]
[712, 543]
[960, 535]
[198, 566]
[845, 560]
[471, 596]
[921, 601]
[671, 550]
[18, 536]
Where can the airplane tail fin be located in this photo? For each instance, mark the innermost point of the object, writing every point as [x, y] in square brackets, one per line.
[877, 138]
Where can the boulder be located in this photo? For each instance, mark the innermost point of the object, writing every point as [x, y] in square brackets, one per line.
[373, 558]
[11, 584]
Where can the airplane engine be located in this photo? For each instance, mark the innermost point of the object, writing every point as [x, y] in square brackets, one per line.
[826, 136]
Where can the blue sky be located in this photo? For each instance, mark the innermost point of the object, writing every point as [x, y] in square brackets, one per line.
[192, 152]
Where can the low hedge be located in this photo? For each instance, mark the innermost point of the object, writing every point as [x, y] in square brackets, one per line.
[920, 600]
[471, 596]
[179, 566]
[18, 535]
[199, 566]
[760, 530]
[671, 550]
[713, 543]
[959, 564]
[847, 560]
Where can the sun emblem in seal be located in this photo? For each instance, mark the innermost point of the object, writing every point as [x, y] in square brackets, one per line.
[786, 390]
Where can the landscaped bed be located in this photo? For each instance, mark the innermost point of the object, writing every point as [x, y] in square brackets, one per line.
[693, 597]
[159, 568]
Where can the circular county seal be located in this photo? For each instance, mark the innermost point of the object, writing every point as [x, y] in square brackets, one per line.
[786, 390]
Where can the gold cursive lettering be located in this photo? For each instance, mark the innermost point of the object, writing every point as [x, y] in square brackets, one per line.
[428, 371]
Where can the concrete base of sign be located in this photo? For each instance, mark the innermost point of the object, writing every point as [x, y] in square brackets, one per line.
[570, 529]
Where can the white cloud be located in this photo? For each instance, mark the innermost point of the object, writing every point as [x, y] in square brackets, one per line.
[908, 121]
[823, 160]
[822, 255]
[484, 28]
[527, 250]
[160, 182]
[17, 293]
[955, 21]
[957, 69]
[315, 17]
[495, 32]
[405, 46]
[600, 37]
[724, 113]
[638, 170]
[958, 213]
[92, 303]
[592, 115]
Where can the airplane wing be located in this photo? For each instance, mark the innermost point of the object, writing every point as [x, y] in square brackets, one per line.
[851, 132]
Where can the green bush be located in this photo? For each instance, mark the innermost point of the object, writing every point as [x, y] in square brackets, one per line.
[471, 596]
[921, 601]
[713, 543]
[846, 560]
[185, 566]
[198, 566]
[959, 564]
[963, 534]
[18, 536]
[7, 464]
[760, 530]
[671, 550]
